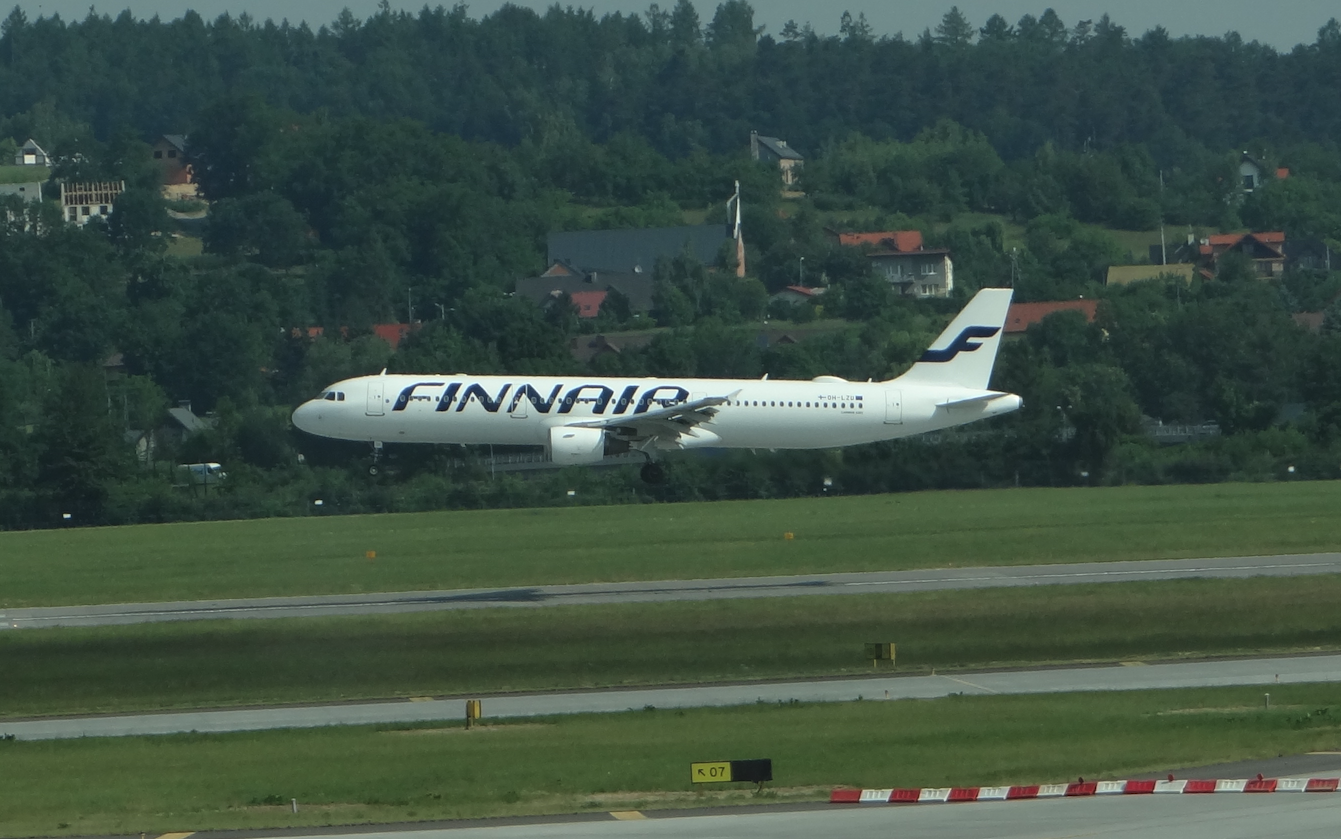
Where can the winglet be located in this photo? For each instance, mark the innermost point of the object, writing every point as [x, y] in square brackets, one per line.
[964, 353]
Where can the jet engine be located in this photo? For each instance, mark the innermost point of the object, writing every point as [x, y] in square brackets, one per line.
[570, 446]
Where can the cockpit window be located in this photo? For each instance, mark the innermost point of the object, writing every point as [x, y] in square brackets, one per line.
[340, 396]
[330, 396]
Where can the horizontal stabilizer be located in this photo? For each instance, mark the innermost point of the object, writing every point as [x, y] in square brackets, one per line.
[969, 400]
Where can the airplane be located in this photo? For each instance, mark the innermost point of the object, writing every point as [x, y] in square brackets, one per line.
[580, 420]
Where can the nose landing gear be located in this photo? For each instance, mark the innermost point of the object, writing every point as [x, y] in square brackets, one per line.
[377, 458]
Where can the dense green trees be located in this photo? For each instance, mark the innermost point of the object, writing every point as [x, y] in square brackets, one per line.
[680, 85]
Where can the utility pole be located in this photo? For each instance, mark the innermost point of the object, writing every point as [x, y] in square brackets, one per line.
[1163, 249]
[409, 305]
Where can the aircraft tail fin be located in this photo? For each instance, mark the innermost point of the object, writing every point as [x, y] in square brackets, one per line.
[964, 353]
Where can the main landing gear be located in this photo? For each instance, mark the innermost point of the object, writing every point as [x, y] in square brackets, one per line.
[377, 458]
[653, 473]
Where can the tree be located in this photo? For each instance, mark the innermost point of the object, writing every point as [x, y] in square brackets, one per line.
[733, 28]
[80, 448]
[954, 30]
[684, 25]
[138, 221]
[263, 226]
[1097, 401]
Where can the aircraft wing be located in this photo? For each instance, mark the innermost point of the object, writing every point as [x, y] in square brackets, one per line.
[668, 424]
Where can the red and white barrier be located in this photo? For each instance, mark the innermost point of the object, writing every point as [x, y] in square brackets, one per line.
[943, 795]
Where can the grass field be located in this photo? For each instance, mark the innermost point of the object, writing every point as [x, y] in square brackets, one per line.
[638, 760]
[185, 246]
[594, 544]
[24, 174]
[221, 663]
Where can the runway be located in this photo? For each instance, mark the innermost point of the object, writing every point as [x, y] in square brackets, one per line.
[878, 582]
[1299, 816]
[1263, 671]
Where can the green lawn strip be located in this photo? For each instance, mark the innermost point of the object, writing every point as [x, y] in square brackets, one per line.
[639, 760]
[24, 174]
[674, 541]
[223, 663]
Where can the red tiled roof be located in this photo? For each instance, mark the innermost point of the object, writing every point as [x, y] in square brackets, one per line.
[1024, 315]
[1229, 240]
[899, 240]
[558, 269]
[393, 333]
[588, 303]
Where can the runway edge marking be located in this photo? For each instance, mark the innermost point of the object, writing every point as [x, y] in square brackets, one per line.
[1080, 789]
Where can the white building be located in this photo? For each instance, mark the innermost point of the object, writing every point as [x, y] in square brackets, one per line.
[30, 192]
[81, 202]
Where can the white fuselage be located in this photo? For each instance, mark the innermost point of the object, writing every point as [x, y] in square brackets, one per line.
[521, 410]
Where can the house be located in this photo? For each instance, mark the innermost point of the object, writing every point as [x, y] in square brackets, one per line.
[797, 294]
[1125, 274]
[31, 154]
[143, 443]
[30, 192]
[81, 202]
[177, 176]
[900, 257]
[635, 251]
[392, 333]
[1253, 173]
[586, 288]
[584, 348]
[1266, 250]
[773, 150]
[180, 424]
[1021, 316]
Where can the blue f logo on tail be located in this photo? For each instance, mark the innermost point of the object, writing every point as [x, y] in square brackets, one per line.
[964, 343]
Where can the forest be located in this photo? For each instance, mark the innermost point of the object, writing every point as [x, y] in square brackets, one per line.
[408, 167]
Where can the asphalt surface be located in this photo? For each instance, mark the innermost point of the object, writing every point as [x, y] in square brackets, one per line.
[1297, 815]
[1264, 671]
[879, 582]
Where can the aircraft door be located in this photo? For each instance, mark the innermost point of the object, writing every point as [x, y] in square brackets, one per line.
[375, 405]
[893, 407]
[519, 411]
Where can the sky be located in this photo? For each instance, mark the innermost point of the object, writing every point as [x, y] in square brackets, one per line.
[1281, 24]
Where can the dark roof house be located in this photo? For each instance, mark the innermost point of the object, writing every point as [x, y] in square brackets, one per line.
[773, 150]
[635, 251]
